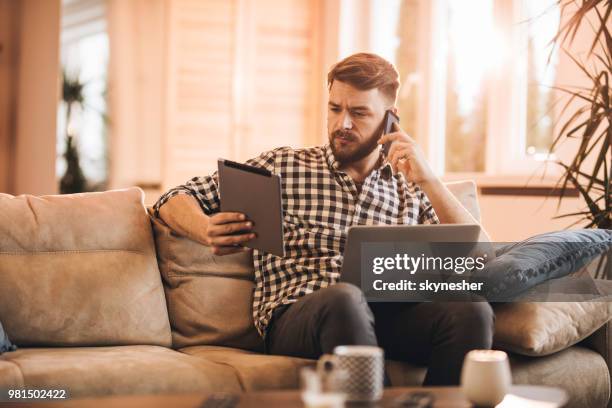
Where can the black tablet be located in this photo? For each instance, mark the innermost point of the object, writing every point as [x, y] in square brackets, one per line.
[256, 192]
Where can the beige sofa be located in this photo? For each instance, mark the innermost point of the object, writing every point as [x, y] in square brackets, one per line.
[103, 300]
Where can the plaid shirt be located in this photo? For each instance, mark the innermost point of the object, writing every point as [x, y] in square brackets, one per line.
[320, 203]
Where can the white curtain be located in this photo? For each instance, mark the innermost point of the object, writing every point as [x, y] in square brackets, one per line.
[136, 91]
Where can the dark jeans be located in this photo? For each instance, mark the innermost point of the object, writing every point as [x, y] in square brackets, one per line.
[435, 334]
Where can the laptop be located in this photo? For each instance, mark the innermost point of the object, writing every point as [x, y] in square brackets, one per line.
[359, 234]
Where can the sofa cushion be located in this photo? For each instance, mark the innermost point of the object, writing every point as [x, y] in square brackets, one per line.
[581, 372]
[466, 193]
[98, 371]
[10, 375]
[209, 297]
[256, 371]
[267, 372]
[5, 342]
[89, 262]
[521, 266]
[537, 329]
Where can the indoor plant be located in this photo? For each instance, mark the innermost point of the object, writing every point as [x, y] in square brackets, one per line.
[73, 180]
[590, 169]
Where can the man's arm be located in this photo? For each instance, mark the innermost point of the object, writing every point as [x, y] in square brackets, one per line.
[448, 208]
[193, 210]
[407, 157]
[183, 214]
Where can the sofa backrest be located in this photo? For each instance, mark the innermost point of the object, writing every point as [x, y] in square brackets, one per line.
[467, 194]
[80, 270]
[210, 297]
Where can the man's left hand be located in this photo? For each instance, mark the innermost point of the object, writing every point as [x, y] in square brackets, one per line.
[406, 156]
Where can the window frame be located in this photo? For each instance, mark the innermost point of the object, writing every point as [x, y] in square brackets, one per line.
[506, 160]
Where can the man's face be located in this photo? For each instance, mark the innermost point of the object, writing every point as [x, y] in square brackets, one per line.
[354, 120]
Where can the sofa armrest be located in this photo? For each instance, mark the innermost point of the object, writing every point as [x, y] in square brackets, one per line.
[601, 342]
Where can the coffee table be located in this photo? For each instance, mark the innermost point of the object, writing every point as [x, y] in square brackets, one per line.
[445, 397]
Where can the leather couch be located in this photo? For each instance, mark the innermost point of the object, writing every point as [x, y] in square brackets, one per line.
[102, 299]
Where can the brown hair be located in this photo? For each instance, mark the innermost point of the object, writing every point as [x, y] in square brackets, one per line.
[366, 71]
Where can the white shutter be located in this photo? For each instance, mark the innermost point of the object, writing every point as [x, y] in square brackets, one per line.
[200, 72]
[283, 65]
[242, 79]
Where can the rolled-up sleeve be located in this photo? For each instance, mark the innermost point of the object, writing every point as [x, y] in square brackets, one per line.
[204, 189]
[427, 214]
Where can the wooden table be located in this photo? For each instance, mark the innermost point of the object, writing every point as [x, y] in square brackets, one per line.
[524, 396]
[450, 397]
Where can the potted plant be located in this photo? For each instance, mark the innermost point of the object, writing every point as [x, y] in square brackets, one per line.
[590, 169]
[589, 115]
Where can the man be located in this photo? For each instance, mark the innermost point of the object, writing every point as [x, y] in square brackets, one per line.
[298, 305]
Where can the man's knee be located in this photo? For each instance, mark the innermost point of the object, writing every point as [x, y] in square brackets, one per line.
[344, 317]
[472, 321]
[344, 300]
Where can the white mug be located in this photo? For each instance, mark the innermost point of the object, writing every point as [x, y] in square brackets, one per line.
[365, 369]
[486, 377]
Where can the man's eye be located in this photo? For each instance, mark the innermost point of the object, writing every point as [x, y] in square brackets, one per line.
[359, 114]
[333, 109]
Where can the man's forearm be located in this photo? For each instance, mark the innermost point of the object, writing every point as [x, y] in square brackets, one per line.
[184, 216]
[447, 206]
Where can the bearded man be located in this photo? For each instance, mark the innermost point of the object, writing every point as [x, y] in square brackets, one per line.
[299, 307]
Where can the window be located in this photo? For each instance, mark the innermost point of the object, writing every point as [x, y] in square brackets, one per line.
[84, 56]
[543, 21]
[476, 80]
[468, 46]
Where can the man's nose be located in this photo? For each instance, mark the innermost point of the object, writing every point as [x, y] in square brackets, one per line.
[347, 123]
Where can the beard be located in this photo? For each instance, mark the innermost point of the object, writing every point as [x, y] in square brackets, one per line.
[354, 151]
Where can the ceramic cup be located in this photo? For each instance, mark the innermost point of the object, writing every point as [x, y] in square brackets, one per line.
[486, 377]
[365, 370]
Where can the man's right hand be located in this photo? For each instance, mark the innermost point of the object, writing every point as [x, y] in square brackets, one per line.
[226, 231]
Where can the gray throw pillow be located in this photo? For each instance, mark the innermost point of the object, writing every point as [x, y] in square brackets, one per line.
[5, 343]
[520, 266]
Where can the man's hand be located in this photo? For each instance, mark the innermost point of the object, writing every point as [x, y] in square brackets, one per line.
[226, 231]
[406, 156]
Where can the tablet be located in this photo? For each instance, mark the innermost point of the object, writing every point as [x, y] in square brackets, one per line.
[256, 192]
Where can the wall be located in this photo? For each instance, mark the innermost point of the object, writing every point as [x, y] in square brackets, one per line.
[8, 68]
[136, 91]
[29, 87]
[37, 96]
[514, 218]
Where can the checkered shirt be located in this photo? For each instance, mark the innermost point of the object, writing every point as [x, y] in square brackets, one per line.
[320, 203]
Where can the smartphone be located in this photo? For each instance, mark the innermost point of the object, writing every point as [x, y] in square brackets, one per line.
[388, 121]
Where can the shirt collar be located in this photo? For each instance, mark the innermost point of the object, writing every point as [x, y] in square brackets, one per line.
[385, 169]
